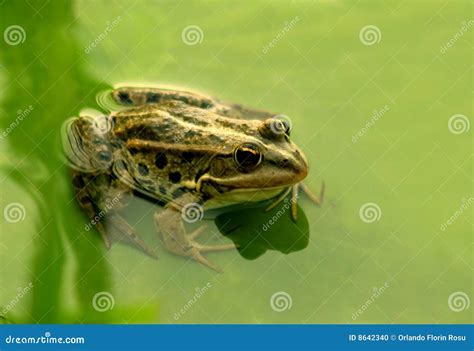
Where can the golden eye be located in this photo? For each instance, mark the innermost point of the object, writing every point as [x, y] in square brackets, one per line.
[247, 156]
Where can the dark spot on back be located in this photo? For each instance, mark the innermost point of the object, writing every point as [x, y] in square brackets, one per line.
[152, 98]
[191, 133]
[160, 160]
[78, 181]
[196, 121]
[174, 177]
[162, 190]
[125, 98]
[142, 169]
[189, 156]
[206, 104]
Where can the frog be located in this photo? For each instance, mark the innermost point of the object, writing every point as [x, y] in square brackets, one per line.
[188, 153]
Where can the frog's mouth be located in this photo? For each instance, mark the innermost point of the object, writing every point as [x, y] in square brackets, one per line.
[262, 180]
[241, 195]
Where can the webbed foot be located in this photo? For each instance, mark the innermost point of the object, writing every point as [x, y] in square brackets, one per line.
[176, 240]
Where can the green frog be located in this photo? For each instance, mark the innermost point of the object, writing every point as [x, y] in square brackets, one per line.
[187, 152]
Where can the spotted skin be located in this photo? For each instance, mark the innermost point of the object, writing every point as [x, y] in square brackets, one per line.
[177, 148]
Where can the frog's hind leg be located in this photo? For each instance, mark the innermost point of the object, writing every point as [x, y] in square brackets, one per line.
[120, 230]
[103, 214]
[175, 239]
[129, 96]
[87, 205]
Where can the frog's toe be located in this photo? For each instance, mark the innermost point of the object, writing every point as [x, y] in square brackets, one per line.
[196, 255]
[124, 232]
[213, 248]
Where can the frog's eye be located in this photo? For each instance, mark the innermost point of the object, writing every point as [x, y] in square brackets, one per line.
[247, 156]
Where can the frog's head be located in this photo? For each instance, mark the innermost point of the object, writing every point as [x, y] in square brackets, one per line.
[262, 158]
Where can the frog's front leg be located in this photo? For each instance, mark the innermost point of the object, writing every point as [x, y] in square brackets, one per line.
[174, 237]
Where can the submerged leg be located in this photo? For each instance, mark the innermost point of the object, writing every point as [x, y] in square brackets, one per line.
[173, 235]
[101, 200]
[278, 199]
[318, 200]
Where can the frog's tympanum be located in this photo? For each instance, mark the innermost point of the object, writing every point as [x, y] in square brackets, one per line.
[181, 150]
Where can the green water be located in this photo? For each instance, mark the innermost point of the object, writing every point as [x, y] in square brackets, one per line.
[405, 160]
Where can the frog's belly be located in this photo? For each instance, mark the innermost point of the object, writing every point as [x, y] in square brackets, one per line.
[241, 196]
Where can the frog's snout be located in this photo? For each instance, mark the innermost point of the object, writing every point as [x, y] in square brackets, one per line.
[298, 165]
